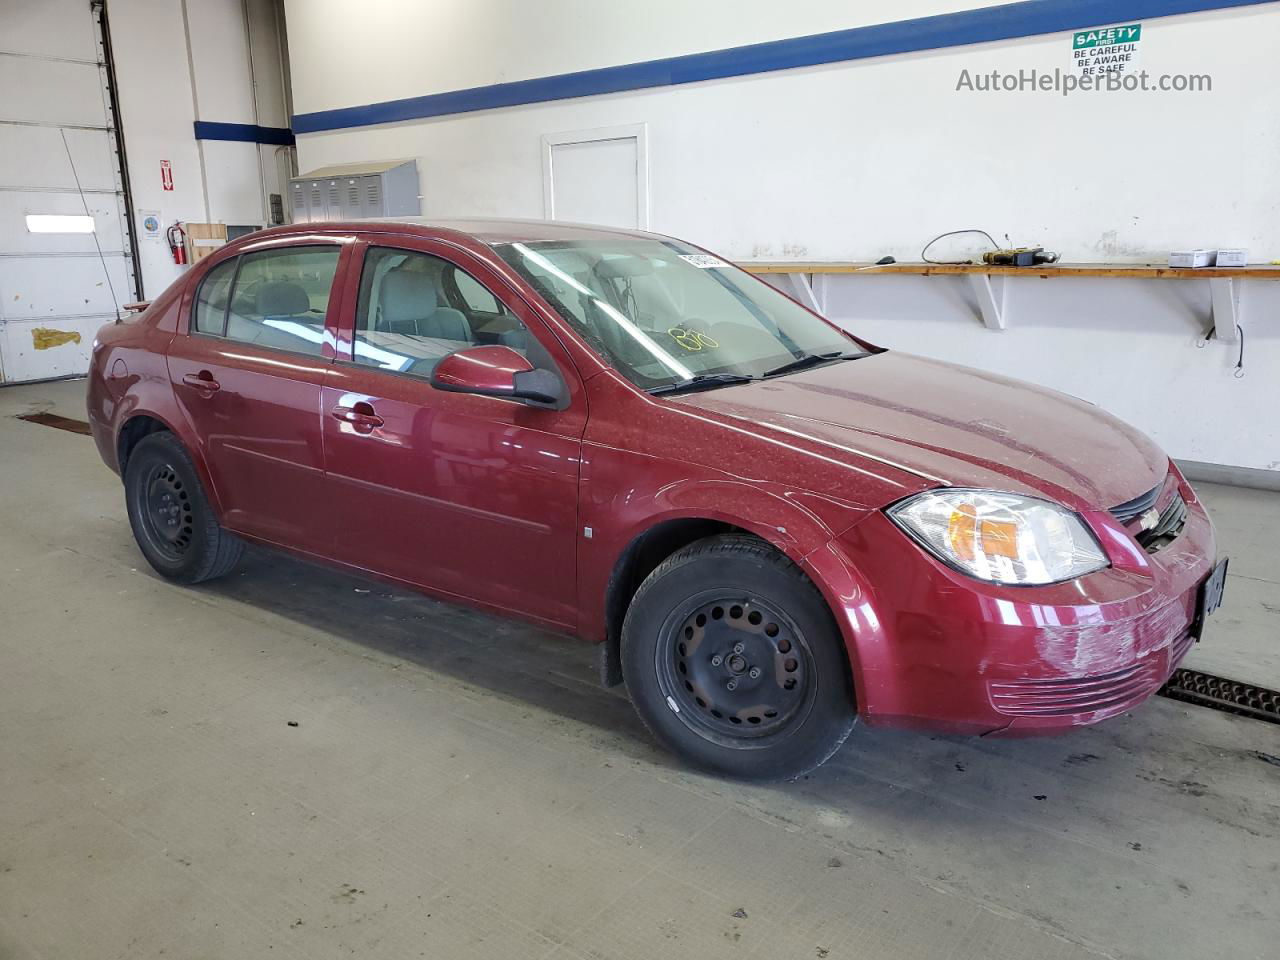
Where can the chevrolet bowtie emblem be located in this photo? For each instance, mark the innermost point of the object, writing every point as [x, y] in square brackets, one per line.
[1149, 519]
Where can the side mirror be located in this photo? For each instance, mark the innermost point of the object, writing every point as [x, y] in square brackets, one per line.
[496, 371]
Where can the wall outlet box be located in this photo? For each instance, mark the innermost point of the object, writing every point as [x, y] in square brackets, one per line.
[1191, 258]
[1233, 257]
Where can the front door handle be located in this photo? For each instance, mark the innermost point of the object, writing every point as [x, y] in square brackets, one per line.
[202, 381]
[361, 416]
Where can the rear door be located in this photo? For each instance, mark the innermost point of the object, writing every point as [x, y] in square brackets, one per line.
[248, 376]
[469, 495]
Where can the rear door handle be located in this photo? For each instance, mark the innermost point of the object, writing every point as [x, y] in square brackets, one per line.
[361, 416]
[202, 381]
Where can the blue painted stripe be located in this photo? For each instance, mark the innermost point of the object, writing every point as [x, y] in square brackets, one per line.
[244, 133]
[1005, 22]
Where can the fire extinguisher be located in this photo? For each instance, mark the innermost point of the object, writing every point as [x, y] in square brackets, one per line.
[177, 238]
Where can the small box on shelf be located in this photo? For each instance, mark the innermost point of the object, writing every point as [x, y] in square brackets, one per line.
[1192, 258]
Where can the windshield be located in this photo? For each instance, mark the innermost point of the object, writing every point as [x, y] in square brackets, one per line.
[665, 314]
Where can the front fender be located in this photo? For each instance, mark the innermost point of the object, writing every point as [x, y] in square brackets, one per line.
[627, 495]
[796, 522]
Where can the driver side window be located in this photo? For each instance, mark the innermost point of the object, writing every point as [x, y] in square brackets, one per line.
[414, 309]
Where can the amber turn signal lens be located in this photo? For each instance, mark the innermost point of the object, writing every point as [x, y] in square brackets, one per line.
[968, 535]
[1001, 537]
[962, 529]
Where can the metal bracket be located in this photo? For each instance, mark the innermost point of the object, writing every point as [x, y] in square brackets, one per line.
[819, 283]
[992, 304]
[1225, 299]
[799, 283]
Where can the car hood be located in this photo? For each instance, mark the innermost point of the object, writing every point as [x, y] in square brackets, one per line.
[951, 425]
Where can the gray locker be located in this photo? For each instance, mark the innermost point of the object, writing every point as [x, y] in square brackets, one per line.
[299, 208]
[354, 191]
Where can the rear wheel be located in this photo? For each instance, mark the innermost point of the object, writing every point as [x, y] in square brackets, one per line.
[732, 659]
[170, 515]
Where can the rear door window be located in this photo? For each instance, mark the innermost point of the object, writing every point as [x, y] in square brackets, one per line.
[281, 297]
[272, 298]
[210, 315]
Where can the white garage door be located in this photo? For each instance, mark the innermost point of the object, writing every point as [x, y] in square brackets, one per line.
[63, 270]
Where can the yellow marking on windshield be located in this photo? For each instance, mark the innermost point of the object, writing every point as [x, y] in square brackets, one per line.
[692, 340]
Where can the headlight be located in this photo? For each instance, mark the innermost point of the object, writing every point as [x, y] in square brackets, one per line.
[1001, 537]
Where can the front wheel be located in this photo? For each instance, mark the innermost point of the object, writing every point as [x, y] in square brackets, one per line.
[732, 660]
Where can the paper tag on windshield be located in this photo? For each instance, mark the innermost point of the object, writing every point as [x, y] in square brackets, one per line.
[703, 261]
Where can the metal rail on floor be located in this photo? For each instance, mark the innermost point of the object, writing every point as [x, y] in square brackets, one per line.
[1219, 693]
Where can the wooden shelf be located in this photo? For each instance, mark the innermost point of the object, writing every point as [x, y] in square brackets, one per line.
[993, 298]
[1136, 271]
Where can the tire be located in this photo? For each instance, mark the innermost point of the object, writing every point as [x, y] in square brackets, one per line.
[170, 515]
[733, 661]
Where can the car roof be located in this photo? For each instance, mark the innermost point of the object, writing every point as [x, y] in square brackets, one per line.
[486, 230]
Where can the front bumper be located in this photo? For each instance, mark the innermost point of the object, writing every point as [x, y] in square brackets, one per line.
[931, 647]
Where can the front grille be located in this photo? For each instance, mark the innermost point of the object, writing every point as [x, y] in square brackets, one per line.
[1159, 648]
[1169, 523]
[1130, 510]
[1106, 692]
[1167, 528]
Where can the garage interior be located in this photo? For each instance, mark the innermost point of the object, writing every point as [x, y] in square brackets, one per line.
[293, 762]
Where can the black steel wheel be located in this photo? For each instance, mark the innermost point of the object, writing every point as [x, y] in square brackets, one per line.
[171, 517]
[736, 665]
[733, 660]
[167, 516]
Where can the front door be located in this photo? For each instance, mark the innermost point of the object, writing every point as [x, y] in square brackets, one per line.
[466, 495]
[248, 376]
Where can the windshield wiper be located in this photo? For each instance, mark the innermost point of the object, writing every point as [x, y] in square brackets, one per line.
[810, 360]
[705, 381]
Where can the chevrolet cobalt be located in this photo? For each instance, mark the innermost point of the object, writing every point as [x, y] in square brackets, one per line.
[771, 527]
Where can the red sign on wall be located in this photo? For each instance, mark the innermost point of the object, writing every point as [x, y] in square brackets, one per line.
[166, 175]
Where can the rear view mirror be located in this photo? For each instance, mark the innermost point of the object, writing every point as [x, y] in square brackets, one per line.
[496, 371]
[624, 268]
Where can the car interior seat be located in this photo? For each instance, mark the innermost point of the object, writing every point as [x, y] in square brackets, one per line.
[409, 303]
[280, 317]
[283, 299]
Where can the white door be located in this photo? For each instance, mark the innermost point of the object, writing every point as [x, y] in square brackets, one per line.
[597, 177]
[56, 288]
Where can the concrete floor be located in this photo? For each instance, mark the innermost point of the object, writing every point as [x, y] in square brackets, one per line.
[457, 786]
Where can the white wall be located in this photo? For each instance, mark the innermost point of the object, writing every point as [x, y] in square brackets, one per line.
[852, 161]
[213, 181]
[1134, 347]
[406, 48]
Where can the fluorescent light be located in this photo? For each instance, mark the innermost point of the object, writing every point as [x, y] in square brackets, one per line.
[59, 223]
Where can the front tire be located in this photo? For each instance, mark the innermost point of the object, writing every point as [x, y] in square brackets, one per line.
[733, 660]
[170, 515]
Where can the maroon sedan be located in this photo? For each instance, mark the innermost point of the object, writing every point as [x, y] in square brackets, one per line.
[772, 527]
